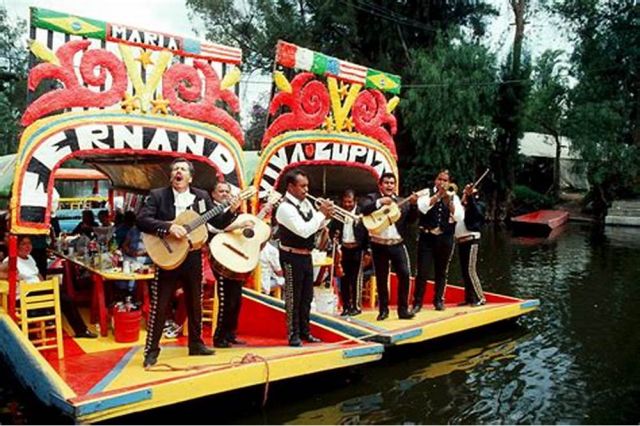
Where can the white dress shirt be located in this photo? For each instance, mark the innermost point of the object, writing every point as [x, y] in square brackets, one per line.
[270, 267]
[424, 205]
[348, 236]
[287, 215]
[182, 200]
[390, 232]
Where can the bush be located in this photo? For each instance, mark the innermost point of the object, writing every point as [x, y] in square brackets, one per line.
[526, 199]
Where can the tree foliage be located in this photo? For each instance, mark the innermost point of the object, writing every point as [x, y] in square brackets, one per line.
[449, 118]
[13, 65]
[604, 106]
[547, 105]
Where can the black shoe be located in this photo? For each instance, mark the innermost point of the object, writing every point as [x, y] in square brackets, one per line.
[222, 343]
[345, 312]
[236, 341]
[200, 349]
[150, 360]
[406, 315]
[383, 315]
[416, 309]
[478, 303]
[311, 338]
[295, 341]
[355, 311]
[439, 306]
[465, 303]
[86, 335]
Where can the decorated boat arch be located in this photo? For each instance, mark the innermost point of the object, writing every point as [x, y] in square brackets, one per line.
[333, 119]
[127, 102]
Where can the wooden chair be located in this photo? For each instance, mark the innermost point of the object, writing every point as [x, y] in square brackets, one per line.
[40, 314]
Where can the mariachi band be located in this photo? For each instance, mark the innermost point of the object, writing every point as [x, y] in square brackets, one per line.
[378, 222]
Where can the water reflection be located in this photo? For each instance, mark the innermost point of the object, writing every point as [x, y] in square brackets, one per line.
[573, 361]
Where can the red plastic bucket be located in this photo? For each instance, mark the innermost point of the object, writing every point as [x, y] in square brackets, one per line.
[126, 326]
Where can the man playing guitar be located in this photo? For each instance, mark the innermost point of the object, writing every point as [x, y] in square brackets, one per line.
[388, 246]
[160, 208]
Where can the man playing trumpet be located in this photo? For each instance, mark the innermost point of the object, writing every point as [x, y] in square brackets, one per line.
[299, 221]
[439, 212]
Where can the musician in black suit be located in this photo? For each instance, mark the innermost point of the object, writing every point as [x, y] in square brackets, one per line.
[161, 207]
[439, 212]
[389, 246]
[353, 240]
[298, 223]
[229, 290]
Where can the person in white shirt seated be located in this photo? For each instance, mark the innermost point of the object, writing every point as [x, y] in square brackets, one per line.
[271, 274]
[28, 272]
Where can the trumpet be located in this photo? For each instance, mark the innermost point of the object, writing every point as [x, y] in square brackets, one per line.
[339, 213]
[451, 189]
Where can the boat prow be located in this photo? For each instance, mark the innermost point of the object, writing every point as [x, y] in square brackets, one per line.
[100, 379]
[540, 222]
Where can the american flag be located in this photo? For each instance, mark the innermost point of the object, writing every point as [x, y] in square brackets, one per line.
[220, 52]
[352, 72]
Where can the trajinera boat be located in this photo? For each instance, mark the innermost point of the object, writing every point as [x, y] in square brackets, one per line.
[126, 102]
[338, 127]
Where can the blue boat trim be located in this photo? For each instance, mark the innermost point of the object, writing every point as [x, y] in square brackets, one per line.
[406, 335]
[115, 372]
[28, 370]
[116, 401]
[368, 350]
[531, 303]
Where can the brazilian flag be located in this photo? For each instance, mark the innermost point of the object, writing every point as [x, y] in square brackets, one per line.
[69, 24]
[382, 81]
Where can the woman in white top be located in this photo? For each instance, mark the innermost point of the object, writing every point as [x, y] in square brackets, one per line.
[28, 272]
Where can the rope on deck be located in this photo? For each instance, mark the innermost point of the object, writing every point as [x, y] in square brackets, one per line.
[248, 358]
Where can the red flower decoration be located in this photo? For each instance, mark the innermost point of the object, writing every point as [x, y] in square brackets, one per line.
[182, 86]
[370, 115]
[309, 150]
[73, 94]
[308, 102]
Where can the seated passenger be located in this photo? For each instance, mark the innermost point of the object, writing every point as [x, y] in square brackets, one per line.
[271, 274]
[28, 272]
[86, 225]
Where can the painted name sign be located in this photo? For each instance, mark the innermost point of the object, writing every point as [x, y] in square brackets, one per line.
[319, 153]
[117, 138]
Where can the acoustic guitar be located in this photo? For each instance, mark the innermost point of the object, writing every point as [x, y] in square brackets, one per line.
[235, 254]
[169, 252]
[386, 216]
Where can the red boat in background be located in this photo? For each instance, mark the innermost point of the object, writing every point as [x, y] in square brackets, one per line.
[540, 222]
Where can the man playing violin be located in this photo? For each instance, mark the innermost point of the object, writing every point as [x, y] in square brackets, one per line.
[389, 246]
[353, 240]
[299, 221]
[439, 212]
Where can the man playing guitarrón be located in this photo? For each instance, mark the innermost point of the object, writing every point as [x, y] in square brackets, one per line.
[161, 207]
[299, 222]
[229, 290]
[388, 247]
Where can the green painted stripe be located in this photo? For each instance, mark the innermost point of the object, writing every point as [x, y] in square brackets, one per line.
[68, 24]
